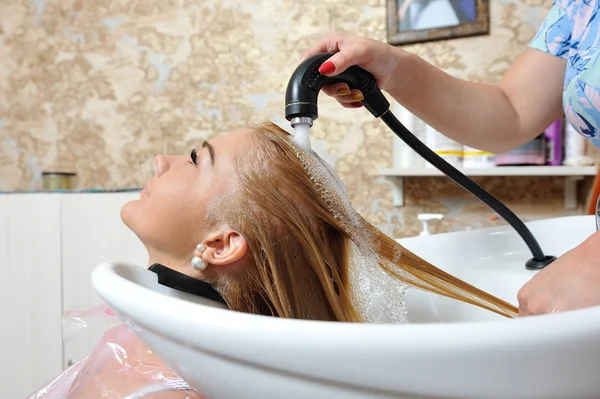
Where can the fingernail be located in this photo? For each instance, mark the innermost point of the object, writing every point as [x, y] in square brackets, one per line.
[326, 68]
[356, 105]
[343, 92]
[357, 97]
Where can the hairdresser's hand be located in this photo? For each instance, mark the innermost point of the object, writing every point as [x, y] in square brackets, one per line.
[570, 282]
[379, 58]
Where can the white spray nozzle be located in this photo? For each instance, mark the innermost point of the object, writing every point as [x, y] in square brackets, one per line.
[425, 218]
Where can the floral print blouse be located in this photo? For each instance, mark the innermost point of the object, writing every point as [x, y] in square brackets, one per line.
[570, 31]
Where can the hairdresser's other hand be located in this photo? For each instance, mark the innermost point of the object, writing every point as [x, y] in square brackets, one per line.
[379, 58]
[570, 282]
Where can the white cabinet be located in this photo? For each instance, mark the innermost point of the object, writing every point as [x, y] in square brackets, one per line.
[92, 233]
[30, 293]
[49, 244]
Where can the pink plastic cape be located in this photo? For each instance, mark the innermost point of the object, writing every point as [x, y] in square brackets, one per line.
[119, 367]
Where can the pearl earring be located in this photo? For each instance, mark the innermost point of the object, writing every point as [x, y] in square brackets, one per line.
[197, 262]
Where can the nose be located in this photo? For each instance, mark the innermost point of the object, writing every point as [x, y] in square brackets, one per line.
[162, 163]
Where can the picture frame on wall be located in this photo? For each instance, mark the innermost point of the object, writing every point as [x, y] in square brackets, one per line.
[418, 21]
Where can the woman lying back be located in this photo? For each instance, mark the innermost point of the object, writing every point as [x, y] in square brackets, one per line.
[262, 234]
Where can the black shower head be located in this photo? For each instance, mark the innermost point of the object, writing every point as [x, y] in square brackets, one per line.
[306, 82]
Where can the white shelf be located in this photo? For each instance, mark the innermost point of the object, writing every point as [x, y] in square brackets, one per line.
[572, 174]
[499, 171]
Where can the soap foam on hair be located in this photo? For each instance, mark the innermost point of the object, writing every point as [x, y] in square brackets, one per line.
[379, 297]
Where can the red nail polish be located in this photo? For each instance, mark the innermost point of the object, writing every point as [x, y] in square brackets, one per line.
[326, 68]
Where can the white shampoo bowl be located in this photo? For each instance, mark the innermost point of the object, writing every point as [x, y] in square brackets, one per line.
[449, 350]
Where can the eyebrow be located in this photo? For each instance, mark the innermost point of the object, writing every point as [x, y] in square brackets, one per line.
[211, 151]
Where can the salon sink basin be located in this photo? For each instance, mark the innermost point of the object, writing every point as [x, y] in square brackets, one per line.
[448, 349]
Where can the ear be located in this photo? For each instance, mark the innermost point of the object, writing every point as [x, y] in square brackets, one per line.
[224, 246]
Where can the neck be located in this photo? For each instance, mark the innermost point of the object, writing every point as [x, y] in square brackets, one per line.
[172, 262]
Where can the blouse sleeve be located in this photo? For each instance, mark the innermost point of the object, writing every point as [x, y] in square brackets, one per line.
[554, 36]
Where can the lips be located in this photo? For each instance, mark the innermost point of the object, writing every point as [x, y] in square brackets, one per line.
[146, 190]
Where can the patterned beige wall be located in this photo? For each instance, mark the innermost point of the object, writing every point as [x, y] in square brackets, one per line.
[99, 86]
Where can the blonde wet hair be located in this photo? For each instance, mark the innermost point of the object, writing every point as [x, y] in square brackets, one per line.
[300, 262]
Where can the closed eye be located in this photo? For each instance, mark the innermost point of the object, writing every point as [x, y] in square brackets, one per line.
[194, 157]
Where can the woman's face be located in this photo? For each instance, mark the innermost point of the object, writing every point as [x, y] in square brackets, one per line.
[169, 217]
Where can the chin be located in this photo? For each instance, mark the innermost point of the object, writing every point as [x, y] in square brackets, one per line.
[133, 216]
[127, 214]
